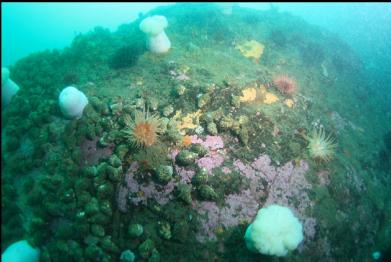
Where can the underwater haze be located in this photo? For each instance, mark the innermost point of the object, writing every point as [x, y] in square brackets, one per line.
[31, 27]
[196, 132]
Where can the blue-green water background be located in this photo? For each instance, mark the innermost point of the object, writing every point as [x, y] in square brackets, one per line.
[30, 27]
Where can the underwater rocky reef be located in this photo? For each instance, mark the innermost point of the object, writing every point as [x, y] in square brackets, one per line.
[194, 123]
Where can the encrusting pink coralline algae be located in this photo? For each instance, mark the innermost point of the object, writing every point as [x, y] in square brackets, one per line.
[137, 193]
[215, 156]
[285, 185]
[267, 184]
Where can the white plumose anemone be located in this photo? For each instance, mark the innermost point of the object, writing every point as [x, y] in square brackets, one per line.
[321, 147]
[72, 102]
[154, 26]
[8, 87]
[275, 231]
[20, 251]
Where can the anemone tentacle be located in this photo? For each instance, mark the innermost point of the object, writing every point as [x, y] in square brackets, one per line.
[321, 147]
[143, 130]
